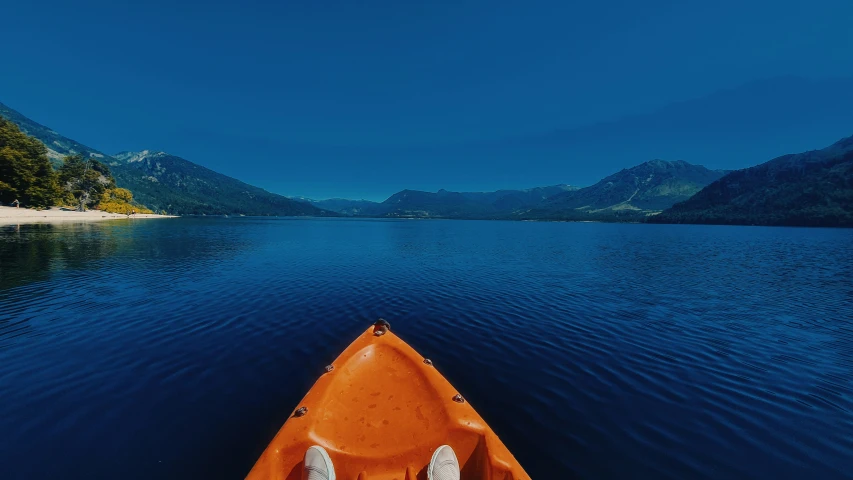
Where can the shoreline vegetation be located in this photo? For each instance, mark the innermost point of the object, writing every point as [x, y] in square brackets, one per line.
[78, 186]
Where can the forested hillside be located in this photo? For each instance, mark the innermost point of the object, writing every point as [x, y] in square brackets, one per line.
[807, 189]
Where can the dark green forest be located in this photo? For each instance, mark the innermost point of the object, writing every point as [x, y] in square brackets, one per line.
[26, 174]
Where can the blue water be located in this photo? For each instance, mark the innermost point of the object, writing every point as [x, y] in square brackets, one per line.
[177, 348]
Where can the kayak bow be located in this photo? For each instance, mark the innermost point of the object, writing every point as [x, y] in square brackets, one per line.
[380, 410]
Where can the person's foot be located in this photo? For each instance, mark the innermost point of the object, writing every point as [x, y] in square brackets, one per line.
[444, 465]
[318, 465]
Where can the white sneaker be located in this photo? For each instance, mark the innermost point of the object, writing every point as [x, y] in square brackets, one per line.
[318, 465]
[444, 464]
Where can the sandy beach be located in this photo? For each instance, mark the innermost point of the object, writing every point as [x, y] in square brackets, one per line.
[12, 216]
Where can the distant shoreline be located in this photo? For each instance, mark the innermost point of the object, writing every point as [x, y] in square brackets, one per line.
[12, 216]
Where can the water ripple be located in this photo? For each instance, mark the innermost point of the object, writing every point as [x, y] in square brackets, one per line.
[144, 350]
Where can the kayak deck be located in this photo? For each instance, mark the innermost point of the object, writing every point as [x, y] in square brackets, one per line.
[380, 411]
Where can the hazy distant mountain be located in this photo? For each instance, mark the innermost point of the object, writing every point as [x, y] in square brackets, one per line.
[631, 193]
[808, 189]
[164, 182]
[346, 206]
[445, 204]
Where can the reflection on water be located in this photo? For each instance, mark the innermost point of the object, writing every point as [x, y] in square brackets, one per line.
[38, 250]
[34, 252]
[176, 349]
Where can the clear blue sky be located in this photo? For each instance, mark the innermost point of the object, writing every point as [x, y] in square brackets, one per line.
[251, 88]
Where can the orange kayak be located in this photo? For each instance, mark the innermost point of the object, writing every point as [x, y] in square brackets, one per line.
[380, 411]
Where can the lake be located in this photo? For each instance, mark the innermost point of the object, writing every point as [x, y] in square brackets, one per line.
[177, 348]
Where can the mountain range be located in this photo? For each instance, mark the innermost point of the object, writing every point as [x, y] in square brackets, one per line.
[441, 204]
[814, 188]
[164, 182]
[811, 188]
[344, 206]
[631, 194]
[445, 204]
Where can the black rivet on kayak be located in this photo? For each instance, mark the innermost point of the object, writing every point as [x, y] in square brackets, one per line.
[382, 323]
[458, 398]
[329, 368]
[300, 411]
[381, 326]
[428, 361]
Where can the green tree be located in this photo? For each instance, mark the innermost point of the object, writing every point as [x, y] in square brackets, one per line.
[86, 179]
[25, 171]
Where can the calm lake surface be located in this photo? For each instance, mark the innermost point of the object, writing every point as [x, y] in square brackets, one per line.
[177, 348]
